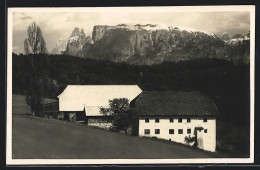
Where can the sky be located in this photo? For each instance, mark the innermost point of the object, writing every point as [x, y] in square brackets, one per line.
[57, 25]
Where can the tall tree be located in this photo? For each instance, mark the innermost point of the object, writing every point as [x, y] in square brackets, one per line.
[33, 96]
[26, 47]
[35, 43]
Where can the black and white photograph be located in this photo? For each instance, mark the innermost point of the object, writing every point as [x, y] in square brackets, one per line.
[130, 85]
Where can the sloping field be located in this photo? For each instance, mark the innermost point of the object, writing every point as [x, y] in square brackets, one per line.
[41, 138]
[19, 105]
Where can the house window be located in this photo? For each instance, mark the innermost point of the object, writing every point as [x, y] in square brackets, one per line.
[157, 120]
[188, 131]
[171, 131]
[180, 131]
[205, 119]
[205, 130]
[171, 120]
[188, 120]
[157, 131]
[146, 120]
[147, 131]
[180, 120]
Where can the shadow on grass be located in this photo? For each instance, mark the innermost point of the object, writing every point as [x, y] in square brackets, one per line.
[155, 139]
[218, 153]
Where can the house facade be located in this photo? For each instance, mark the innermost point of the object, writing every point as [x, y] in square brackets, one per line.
[83, 102]
[175, 116]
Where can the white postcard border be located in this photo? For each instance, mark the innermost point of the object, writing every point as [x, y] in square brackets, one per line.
[10, 161]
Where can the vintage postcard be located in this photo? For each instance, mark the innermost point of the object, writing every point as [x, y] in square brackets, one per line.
[130, 85]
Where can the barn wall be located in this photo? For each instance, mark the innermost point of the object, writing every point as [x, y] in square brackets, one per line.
[209, 138]
[99, 122]
[49, 110]
[70, 104]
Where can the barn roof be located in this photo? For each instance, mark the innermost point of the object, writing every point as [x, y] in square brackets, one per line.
[76, 97]
[174, 103]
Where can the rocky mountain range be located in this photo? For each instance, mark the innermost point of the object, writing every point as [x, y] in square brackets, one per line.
[153, 44]
[237, 38]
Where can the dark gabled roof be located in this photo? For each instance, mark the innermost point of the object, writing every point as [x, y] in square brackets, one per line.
[174, 103]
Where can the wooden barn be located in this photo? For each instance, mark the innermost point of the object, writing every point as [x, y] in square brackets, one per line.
[83, 102]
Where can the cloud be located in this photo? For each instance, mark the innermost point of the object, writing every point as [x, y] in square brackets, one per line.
[76, 17]
[56, 25]
[18, 41]
[26, 17]
[232, 22]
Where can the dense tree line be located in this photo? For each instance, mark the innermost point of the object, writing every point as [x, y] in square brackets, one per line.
[227, 84]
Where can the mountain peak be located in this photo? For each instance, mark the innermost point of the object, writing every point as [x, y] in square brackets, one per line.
[76, 32]
[82, 31]
[76, 42]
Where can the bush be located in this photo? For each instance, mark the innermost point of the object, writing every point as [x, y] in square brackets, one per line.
[189, 139]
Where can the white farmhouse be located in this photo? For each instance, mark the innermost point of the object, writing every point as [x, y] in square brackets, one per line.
[83, 102]
[174, 115]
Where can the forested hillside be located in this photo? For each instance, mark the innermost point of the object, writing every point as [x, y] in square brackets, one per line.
[227, 84]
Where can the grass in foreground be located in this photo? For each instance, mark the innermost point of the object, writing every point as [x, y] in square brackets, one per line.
[42, 138]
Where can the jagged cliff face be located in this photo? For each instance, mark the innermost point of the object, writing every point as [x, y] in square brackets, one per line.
[119, 45]
[75, 42]
[99, 31]
[152, 44]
